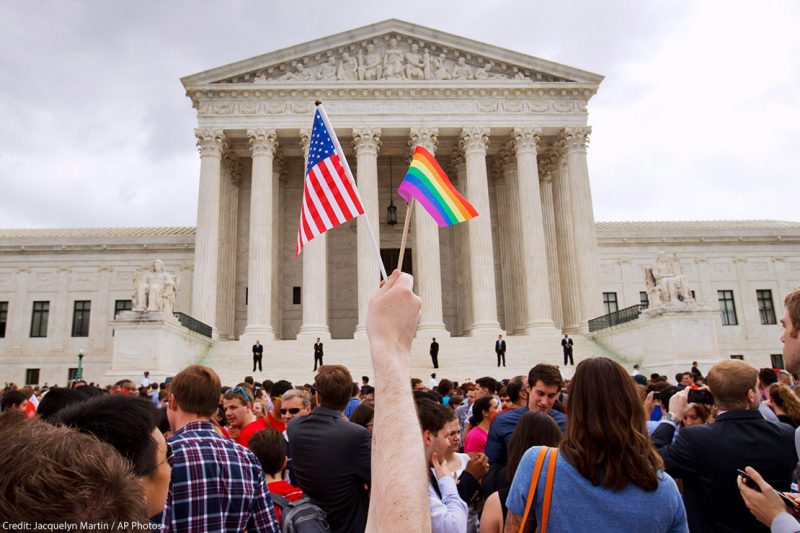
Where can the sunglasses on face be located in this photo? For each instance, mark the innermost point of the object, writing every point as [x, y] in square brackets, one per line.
[293, 411]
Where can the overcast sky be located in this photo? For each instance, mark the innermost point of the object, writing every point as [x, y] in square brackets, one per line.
[698, 117]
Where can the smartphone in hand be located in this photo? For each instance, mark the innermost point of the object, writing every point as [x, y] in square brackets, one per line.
[790, 504]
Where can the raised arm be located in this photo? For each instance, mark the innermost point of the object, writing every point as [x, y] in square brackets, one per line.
[399, 497]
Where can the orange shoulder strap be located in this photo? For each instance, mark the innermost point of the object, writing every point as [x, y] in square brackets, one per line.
[548, 490]
[537, 470]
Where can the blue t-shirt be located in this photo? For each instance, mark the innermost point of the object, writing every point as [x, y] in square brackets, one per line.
[577, 505]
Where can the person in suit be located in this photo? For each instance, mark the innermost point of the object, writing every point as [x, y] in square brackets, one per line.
[500, 350]
[258, 354]
[435, 353]
[332, 456]
[707, 456]
[566, 345]
[318, 353]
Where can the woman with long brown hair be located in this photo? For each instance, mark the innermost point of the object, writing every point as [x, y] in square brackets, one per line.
[785, 403]
[606, 475]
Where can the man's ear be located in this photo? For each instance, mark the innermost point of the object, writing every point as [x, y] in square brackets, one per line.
[172, 404]
[426, 438]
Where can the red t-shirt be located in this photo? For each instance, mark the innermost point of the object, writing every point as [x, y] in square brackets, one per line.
[282, 488]
[274, 423]
[249, 430]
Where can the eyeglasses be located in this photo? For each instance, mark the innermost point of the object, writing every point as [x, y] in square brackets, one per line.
[293, 411]
[243, 392]
[167, 459]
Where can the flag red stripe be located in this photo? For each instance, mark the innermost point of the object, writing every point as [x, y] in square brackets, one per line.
[337, 195]
[311, 211]
[323, 198]
[348, 187]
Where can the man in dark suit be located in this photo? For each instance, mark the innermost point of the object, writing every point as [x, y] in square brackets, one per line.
[332, 456]
[435, 353]
[258, 354]
[707, 457]
[318, 353]
[500, 350]
[566, 344]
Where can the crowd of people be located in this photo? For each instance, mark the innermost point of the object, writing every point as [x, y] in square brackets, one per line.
[604, 451]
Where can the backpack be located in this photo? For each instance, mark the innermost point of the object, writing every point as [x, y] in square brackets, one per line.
[301, 516]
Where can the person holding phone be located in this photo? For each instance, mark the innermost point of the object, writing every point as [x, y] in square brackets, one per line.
[770, 507]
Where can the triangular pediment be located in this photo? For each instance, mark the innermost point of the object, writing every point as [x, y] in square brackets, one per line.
[387, 52]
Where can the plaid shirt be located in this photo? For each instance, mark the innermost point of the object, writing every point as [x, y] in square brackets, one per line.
[216, 485]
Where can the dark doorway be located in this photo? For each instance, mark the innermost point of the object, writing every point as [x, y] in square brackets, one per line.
[390, 257]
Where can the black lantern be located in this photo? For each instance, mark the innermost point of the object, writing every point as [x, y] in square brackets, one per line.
[391, 210]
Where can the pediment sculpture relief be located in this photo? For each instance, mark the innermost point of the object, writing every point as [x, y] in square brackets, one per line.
[392, 59]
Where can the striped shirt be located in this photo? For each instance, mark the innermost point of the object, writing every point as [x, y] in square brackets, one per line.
[216, 485]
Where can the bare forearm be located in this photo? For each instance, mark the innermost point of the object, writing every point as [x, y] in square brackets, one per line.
[399, 499]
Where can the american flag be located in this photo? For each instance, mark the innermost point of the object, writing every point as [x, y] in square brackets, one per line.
[330, 198]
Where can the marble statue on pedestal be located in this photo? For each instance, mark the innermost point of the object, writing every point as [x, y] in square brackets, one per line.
[154, 290]
[667, 287]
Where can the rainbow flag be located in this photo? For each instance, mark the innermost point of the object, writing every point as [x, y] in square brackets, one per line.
[427, 182]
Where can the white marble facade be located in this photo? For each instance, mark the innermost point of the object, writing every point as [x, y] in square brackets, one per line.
[511, 131]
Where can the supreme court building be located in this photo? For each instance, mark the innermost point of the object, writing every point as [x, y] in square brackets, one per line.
[510, 130]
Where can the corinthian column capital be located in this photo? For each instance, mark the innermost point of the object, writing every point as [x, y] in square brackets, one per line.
[210, 142]
[262, 141]
[428, 138]
[474, 140]
[305, 140]
[366, 140]
[547, 160]
[576, 139]
[525, 139]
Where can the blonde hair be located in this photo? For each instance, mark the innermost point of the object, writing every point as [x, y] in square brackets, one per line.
[263, 405]
[729, 382]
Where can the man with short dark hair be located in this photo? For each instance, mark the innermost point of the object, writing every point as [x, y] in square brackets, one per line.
[544, 384]
[766, 377]
[434, 351]
[14, 400]
[205, 465]
[129, 425]
[517, 390]
[332, 456]
[566, 345]
[319, 352]
[258, 355]
[500, 350]
[448, 510]
[707, 456]
[238, 405]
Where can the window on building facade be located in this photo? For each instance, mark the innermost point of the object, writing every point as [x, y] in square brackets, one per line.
[31, 376]
[41, 311]
[610, 302]
[644, 300]
[296, 296]
[766, 309]
[122, 305]
[3, 318]
[777, 360]
[80, 318]
[727, 308]
[739, 357]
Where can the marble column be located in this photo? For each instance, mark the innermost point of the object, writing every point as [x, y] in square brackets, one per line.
[228, 213]
[426, 257]
[576, 140]
[565, 237]
[474, 142]
[20, 312]
[263, 145]
[315, 276]
[279, 169]
[533, 247]
[367, 142]
[502, 201]
[211, 144]
[546, 164]
[458, 175]
[102, 311]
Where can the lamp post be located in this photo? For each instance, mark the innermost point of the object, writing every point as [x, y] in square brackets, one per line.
[391, 210]
[79, 373]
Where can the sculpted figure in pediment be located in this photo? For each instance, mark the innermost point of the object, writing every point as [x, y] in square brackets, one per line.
[415, 66]
[348, 68]
[393, 61]
[327, 71]
[462, 71]
[299, 73]
[440, 71]
[369, 66]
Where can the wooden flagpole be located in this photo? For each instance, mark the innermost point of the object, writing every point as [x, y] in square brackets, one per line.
[346, 166]
[405, 234]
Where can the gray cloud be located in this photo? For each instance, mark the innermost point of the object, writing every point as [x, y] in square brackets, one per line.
[696, 118]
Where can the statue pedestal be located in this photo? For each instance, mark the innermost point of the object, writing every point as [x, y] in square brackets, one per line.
[153, 341]
[665, 340]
